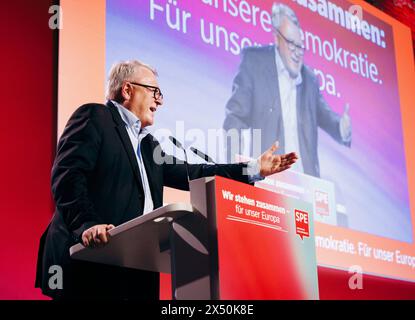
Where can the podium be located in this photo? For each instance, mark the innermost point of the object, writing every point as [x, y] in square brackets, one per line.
[234, 241]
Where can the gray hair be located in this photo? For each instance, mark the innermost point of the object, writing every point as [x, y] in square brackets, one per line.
[120, 72]
[279, 11]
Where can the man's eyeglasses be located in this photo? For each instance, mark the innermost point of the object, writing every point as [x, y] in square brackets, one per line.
[291, 44]
[156, 90]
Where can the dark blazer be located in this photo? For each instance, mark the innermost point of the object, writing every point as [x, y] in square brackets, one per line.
[96, 180]
[255, 103]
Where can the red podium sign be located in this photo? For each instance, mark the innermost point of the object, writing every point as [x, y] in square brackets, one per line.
[266, 246]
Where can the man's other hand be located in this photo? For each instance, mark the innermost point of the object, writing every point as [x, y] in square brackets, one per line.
[96, 235]
[271, 163]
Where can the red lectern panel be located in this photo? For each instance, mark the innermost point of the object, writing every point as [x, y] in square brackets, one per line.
[266, 246]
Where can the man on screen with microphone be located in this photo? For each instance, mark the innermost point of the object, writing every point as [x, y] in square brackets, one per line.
[275, 93]
[105, 173]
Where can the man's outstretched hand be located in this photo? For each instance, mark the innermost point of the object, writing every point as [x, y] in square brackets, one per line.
[270, 163]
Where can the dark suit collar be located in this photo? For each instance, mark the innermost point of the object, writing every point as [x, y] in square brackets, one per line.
[115, 114]
[125, 139]
[146, 151]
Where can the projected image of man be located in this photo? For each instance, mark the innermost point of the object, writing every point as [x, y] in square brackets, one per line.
[276, 93]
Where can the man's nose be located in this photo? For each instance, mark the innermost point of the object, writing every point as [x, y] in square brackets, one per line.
[297, 54]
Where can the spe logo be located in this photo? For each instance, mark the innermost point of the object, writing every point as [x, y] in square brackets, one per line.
[302, 224]
[322, 203]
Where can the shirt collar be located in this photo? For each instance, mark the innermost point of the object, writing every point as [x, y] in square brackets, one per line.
[130, 119]
[282, 69]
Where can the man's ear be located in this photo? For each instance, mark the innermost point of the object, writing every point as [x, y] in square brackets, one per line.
[126, 91]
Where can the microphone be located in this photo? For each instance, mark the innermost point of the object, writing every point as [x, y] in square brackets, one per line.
[180, 146]
[202, 155]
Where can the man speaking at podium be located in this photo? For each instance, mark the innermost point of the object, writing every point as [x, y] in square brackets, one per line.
[105, 174]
